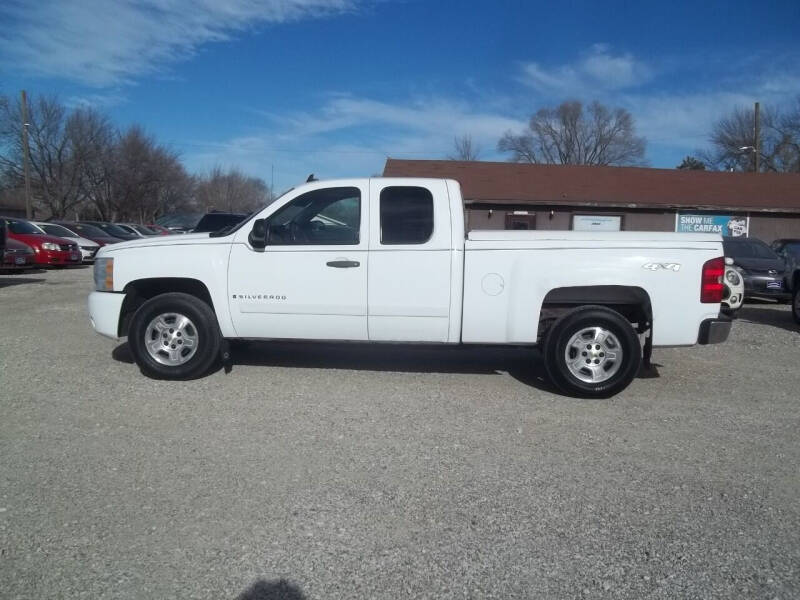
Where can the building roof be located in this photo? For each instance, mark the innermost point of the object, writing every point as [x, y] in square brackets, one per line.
[626, 187]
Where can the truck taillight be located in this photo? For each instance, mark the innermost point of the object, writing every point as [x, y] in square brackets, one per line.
[711, 282]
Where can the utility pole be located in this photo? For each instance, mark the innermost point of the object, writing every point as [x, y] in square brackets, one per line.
[26, 157]
[757, 129]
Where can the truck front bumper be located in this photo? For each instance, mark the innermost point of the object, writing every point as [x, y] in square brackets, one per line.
[714, 331]
[104, 310]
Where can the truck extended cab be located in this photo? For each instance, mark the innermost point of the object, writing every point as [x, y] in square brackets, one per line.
[387, 260]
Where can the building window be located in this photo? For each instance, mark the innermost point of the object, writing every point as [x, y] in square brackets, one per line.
[520, 221]
[406, 215]
[597, 222]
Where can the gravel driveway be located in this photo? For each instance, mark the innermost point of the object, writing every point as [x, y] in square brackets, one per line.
[351, 471]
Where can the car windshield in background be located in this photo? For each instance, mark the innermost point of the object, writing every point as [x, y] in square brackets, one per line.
[748, 249]
[185, 221]
[56, 230]
[793, 249]
[88, 230]
[22, 227]
[115, 230]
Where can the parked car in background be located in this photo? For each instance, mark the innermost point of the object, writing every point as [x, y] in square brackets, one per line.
[88, 247]
[763, 271]
[49, 250]
[217, 221]
[137, 229]
[789, 251]
[90, 232]
[17, 257]
[733, 292]
[113, 230]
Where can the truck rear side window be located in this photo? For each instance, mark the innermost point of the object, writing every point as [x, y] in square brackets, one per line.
[406, 215]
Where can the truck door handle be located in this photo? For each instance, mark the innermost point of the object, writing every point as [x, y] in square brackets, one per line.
[343, 264]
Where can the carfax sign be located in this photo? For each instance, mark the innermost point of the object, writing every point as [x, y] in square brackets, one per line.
[724, 225]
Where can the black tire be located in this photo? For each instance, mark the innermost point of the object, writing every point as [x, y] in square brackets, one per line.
[796, 304]
[569, 325]
[204, 321]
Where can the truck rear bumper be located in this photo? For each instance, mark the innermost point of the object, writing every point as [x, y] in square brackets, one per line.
[714, 331]
[104, 309]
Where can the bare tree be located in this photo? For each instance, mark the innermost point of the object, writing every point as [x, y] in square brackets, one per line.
[690, 163]
[733, 141]
[789, 126]
[55, 165]
[570, 135]
[231, 191]
[465, 148]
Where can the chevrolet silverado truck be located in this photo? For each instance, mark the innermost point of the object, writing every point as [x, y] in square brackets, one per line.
[388, 260]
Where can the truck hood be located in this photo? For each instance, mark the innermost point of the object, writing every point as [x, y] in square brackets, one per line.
[187, 239]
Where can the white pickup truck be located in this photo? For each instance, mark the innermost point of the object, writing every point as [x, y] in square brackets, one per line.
[387, 260]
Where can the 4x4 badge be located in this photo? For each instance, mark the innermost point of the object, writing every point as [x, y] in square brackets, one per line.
[662, 266]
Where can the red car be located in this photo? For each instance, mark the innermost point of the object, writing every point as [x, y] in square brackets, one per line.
[17, 256]
[161, 230]
[47, 249]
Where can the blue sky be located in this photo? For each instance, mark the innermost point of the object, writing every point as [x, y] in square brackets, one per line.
[335, 86]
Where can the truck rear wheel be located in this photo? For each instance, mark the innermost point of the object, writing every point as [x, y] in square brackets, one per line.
[174, 336]
[592, 352]
[796, 303]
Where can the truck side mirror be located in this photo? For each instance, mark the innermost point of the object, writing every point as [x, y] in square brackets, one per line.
[258, 235]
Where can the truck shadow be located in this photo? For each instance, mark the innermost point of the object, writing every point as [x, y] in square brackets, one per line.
[9, 280]
[522, 363]
[525, 364]
[272, 590]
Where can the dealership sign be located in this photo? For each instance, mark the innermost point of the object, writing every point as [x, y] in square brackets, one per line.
[724, 225]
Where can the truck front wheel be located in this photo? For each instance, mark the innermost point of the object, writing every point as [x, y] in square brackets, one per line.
[592, 352]
[174, 336]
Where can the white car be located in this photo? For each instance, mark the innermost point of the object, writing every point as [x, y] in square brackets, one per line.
[88, 247]
[733, 294]
[387, 260]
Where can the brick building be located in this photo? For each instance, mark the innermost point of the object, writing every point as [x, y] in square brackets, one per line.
[501, 195]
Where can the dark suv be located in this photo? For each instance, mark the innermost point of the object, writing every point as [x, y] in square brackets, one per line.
[763, 271]
[789, 250]
[216, 221]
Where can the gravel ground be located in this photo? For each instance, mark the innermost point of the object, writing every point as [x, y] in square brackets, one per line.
[347, 471]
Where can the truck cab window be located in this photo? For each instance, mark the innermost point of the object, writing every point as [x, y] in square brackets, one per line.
[406, 215]
[329, 216]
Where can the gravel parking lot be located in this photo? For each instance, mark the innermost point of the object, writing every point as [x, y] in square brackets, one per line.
[349, 471]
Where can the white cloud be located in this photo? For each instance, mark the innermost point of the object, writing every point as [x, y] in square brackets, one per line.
[104, 43]
[352, 136]
[596, 69]
[96, 100]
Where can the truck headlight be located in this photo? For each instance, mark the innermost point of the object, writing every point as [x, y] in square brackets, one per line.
[732, 277]
[50, 246]
[104, 274]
